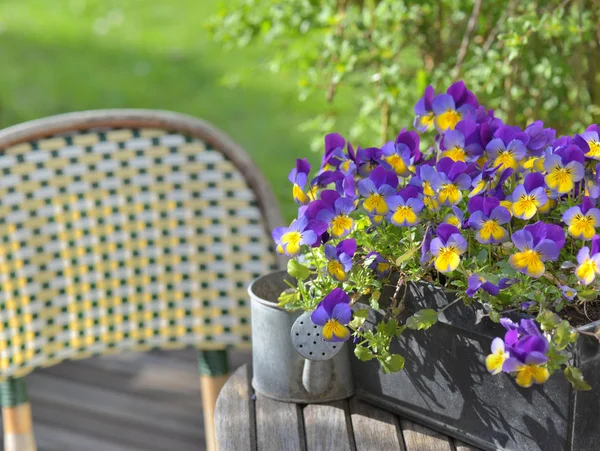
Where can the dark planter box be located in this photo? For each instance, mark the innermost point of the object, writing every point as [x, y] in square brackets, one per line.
[446, 386]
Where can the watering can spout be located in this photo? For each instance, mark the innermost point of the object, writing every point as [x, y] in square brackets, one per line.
[316, 375]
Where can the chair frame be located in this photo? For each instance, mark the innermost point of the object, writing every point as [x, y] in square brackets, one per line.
[213, 365]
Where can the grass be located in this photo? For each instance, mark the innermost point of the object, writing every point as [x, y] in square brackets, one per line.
[70, 55]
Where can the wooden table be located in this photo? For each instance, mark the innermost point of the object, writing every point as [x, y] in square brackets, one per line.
[245, 421]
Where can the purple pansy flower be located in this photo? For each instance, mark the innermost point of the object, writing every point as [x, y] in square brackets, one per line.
[453, 180]
[368, 159]
[476, 283]
[537, 243]
[529, 197]
[405, 207]
[568, 292]
[290, 239]
[539, 138]
[564, 168]
[582, 219]
[487, 217]
[379, 264]
[462, 143]
[336, 213]
[458, 103]
[402, 153]
[334, 151]
[589, 262]
[508, 147]
[375, 190]
[340, 258]
[424, 110]
[447, 247]
[334, 313]
[456, 218]
[299, 177]
[589, 141]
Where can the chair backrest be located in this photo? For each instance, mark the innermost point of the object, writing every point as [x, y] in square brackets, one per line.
[126, 230]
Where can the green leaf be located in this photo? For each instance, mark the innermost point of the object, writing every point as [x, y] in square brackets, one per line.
[423, 319]
[392, 363]
[555, 359]
[407, 255]
[575, 377]
[562, 335]
[374, 301]
[288, 297]
[358, 319]
[548, 320]
[363, 354]
[494, 316]
[588, 295]
[297, 270]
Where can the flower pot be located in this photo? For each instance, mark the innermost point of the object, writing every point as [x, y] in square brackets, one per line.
[445, 384]
[279, 371]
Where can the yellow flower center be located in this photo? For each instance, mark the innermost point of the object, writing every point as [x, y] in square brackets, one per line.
[376, 203]
[340, 225]
[291, 242]
[427, 120]
[456, 153]
[594, 150]
[583, 227]
[336, 269]
[427, 190]
[333, 327]
[450, 194]
[560, 179]
[448, 259]
[529, 261]
[506, 159]
[491, 230]
[448, 119]
[404, 214]
[529, 373]
[525, 207]
[397, 163]
[586, 272]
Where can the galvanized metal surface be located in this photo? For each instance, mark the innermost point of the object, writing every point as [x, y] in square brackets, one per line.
[307, 338]
[277, 367]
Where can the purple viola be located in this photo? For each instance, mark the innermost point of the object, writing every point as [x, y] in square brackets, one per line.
[334, 313]
[539, 138]
[536, 243]
[334, 151]
[379, 264]
[483, 181]
[424, 111]
[376, 189]
[405, 207]
[340, 258]
[463, 143]
[527, 348]
[589, 262]
[447, 247]
[299, 178]
[453, 179]
[487, 217]
[477, 282]
[589, 141]
[302, 231]
[456, 218]
[564, 168]
[401, 154]
[368, 159]
[530, 196]
[582, 219]
[458, 103]
[336, 213]
[508, 147]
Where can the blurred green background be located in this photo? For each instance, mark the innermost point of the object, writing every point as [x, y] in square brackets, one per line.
[69, 55]
[358, 65]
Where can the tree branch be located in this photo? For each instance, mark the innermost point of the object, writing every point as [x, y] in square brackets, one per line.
[471, 24]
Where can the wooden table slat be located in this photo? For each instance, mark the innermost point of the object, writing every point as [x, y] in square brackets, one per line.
[420, 438]
[278, 425]
[328, 427]
[236, 428]
[375, 428]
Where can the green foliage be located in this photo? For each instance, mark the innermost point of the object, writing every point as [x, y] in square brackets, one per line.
[575, 377]
[297, 270]
[423, 319]
[538, 59]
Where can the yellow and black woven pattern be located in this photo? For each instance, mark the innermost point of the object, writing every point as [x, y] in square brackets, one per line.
[123, 239]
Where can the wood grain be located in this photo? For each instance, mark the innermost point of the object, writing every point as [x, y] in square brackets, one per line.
[328, 427]
[420, 438]
[375, 428]
[236, 425]
[278, 425]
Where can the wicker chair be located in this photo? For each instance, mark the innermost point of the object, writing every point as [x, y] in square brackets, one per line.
[125, 230]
